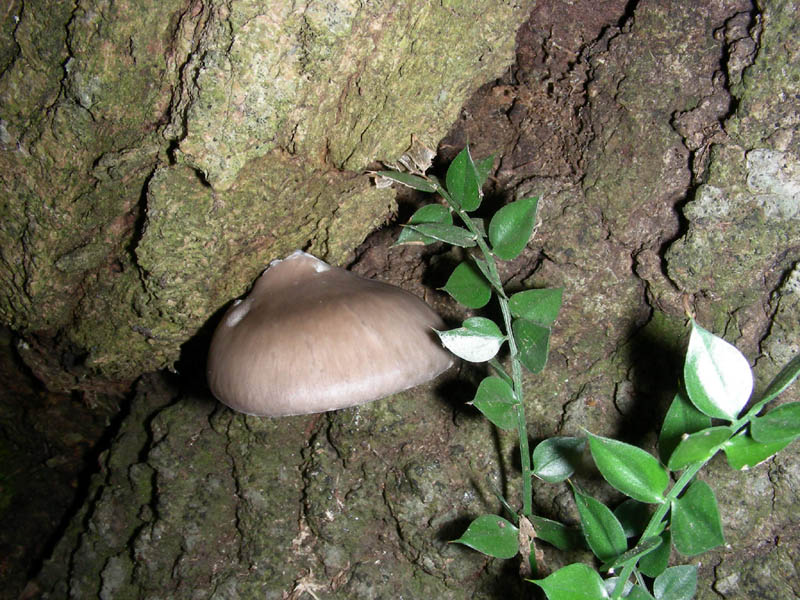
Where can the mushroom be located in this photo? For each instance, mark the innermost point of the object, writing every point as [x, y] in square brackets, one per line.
[310, 338]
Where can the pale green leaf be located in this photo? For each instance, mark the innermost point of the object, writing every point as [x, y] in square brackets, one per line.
[478, 340]
[717, 376]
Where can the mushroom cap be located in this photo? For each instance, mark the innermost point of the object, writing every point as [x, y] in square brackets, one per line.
[311, 338]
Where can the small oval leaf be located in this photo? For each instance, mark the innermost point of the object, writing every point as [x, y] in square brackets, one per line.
[468, 286]
[781, 424]
[676, 583]
[478, 340]
[493, 536]
[450, 234]
[430, 213]
[540, 306]
[602, 530]
[555, 459]
[533, 344]
[463, 181]
[511, 227]
[698, 446]
[743, 452]
[695, 522]
[409, 180]
[495, 399]
[717, 376]
[573, 582]
[629, 469]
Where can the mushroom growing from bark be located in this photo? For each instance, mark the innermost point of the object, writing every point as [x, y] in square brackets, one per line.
[310, 338]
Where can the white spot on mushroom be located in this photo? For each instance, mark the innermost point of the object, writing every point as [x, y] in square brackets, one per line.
[237, 312]
[311, 338]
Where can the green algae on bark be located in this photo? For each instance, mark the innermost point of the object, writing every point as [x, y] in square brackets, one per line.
[155, 157]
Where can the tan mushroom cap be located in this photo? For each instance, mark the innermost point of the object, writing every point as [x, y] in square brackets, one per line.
[311, 338]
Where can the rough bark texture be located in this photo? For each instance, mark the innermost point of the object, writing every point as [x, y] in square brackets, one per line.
[664, 139]
[156, 155]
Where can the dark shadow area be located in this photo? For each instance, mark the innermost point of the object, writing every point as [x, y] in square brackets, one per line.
[655, 374]
[190, 369]
[50, 448]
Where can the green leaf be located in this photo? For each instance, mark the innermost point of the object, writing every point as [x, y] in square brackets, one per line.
[653, 564]
[555, 459]
[412, 181]
[634, 516]
[602, 531]
[682, 417]
[783, 379]
[463, 181]
[695, 522]
[478, 340]
[717, 376]
[781, 424]
[676, 583]
[629, 469]
[559, 535]
[495, 399]
[468, 286]
[430, 213]
[539, 306]
[698, 447]
[493, 536]
[511, 227]
[743, 452]
[573, 582]
[641, 549]
[533, 344]
[455, 236]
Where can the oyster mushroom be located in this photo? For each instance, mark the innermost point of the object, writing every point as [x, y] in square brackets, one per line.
[310, 338]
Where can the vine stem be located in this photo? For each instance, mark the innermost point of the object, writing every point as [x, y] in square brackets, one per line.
[516, 367]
